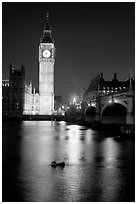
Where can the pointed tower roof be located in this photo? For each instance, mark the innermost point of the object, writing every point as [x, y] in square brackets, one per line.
[47, 38]
[47, 27]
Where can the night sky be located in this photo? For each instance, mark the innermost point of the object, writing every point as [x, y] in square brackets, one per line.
[90, 38]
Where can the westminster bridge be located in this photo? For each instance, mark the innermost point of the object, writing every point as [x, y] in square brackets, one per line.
[101, 95]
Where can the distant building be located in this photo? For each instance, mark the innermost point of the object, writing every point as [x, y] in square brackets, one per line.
[5, 96]
[57, 102]
[35, 103]
[28, 99]
[16, 90]
[18, 97]
[103, 87]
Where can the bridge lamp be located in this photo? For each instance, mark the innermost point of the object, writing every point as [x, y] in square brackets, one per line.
[93, 104]
[116, 101]
[110, 101]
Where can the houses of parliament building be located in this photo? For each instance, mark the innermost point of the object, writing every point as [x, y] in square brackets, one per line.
[19, 97]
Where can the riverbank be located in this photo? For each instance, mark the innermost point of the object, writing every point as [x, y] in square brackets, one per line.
[35, 117]
[122, 129]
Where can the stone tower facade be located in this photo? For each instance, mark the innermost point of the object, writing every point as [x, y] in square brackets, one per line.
[16, 90]
[46, 72]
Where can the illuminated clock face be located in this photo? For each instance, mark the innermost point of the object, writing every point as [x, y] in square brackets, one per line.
[46, 53]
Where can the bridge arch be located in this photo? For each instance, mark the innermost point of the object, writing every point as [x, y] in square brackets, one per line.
[116, 101]
[90, 110]
[121, 102]
[114, 112]
[90, 113]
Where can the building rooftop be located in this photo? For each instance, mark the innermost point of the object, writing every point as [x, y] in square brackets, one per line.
[99, 83]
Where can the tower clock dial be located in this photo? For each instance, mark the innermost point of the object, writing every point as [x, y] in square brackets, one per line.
[46, 53]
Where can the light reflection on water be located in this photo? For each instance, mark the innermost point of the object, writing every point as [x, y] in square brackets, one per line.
[97, 166]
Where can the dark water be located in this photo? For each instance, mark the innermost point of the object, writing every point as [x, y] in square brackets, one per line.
[98, 166]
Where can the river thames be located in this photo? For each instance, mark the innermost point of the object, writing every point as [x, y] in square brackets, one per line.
[100, 167]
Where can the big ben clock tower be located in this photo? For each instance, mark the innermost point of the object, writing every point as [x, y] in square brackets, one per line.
[46, 71]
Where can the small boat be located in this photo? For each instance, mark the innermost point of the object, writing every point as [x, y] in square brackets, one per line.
[62, 164]
[54, 164]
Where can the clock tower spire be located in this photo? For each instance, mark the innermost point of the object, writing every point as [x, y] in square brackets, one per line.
[46, 71]
[47, 38]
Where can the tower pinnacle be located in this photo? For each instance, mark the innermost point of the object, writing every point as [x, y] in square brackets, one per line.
[47, 16]
[47, 38]
[130, 78]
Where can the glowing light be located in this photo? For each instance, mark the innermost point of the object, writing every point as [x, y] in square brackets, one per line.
[62, 122]
[93, 104]
[74, 100]
[116, 101]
